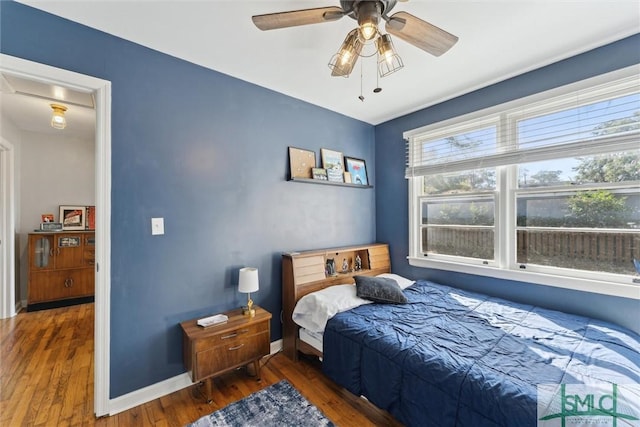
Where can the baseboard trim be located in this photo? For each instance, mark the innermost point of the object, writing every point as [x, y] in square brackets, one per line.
[59, 303]
[154, 391]
[276, 346]
[149, 393]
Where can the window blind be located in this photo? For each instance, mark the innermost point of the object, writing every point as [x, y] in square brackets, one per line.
[597, 120]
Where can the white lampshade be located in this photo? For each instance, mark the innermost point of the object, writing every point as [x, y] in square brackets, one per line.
[248, 281]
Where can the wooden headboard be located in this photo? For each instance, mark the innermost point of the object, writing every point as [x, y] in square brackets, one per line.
[304, 272]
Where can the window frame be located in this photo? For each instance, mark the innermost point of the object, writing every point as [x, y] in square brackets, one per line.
[488, 196]
[505, 265]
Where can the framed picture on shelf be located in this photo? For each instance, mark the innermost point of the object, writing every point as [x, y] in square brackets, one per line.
[333, 162]
[73, 217]
[358, 170]
[301, 162]
[319, 173]
[91, 218]
[46, 217]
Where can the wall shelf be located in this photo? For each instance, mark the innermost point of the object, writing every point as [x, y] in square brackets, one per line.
[320, 181]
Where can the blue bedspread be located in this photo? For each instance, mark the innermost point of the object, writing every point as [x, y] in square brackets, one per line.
[457, 358]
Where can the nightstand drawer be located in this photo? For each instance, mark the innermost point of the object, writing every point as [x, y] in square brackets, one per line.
[230, 337]
[233, 353]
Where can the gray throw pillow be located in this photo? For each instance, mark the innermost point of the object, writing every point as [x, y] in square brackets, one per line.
[379, 289]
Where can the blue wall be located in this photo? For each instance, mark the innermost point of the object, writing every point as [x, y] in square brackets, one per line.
[209, 154]
[392, 199]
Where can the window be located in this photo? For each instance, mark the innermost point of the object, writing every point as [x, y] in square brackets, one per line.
[459, 226]
[543, 190]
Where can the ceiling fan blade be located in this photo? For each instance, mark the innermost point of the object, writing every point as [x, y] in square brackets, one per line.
[419, 33]
[272, 21]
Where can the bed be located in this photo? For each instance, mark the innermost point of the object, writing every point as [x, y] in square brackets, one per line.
[454, 358]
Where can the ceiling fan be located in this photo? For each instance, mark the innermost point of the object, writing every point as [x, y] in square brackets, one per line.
[367, 13]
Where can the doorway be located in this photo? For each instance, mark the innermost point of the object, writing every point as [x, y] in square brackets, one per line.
[7, 243]
[101, 90]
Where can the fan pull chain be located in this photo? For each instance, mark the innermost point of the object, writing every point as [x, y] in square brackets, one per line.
[378, 89]
[361, 98]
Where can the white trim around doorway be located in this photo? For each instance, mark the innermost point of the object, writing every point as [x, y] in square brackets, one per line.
[7, 231]
[101, 90]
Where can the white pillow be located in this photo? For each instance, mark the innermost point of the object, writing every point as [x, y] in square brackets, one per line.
[314, 310]
[402, 282]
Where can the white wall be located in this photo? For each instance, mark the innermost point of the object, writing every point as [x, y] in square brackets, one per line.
[10, 132]
[53, 170]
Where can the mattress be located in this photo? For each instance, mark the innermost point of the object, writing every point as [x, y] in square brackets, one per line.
[314, 339]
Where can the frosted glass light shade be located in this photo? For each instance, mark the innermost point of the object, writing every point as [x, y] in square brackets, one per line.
[248, 281]
[388, 60]
[342, 63]
[58, 120]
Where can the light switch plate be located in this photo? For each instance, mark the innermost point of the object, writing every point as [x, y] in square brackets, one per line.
[157, 226]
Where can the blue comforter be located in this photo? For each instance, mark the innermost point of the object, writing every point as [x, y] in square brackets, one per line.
[456, 358]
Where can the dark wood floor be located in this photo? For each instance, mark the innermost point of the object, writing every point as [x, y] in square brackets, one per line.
[46, 379]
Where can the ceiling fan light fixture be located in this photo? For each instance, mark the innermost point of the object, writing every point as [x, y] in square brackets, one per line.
[368, 30]
[388, 59]
[368, 16]
[58, 121]
[342, 63]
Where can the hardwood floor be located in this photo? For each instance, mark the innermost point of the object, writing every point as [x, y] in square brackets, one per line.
[46, 379]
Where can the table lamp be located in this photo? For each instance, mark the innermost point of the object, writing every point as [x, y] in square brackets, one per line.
[248, 283]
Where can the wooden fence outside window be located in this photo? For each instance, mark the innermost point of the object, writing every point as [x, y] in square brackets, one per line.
[592, 250]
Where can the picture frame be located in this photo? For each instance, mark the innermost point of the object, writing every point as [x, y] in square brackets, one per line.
[358, 170]
[50, 226]
[69, 242]
[48, 217]
[301, 162]
[333, 162]
[319, 173]
[73, 217]
[90, 223]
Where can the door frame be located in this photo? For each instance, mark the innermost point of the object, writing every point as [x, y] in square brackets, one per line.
[7, 230]
[101, 90]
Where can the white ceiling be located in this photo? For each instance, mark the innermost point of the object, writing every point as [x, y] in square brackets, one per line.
[497, 40]
[27, 104]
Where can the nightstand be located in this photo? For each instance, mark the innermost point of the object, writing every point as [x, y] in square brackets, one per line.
[212, 351]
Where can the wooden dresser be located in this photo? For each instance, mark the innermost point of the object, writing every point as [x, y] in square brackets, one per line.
[61, 266]
[211, 351]
[305, 272]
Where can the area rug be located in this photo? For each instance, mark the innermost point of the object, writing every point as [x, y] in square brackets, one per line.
[277, 405]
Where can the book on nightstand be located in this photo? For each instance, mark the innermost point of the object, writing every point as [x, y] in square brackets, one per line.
[212, 320]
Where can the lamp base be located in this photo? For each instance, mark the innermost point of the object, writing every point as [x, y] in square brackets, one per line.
[248, 309]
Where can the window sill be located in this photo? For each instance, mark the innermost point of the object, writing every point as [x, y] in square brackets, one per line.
[579, 284]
